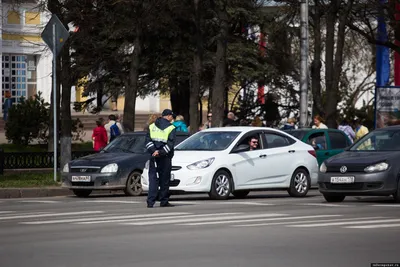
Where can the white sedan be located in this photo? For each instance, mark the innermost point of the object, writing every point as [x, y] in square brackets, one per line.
[219, 161]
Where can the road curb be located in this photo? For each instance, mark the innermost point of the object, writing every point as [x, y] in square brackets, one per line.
[34, 192]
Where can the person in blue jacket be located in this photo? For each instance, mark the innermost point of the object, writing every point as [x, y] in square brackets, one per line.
[6, 105]
[180, 124]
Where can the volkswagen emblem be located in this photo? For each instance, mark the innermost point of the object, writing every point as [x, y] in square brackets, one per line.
[83, 170]
[343, 169]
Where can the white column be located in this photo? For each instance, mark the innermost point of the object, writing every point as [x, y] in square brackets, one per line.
[1, 52]
[43, 79]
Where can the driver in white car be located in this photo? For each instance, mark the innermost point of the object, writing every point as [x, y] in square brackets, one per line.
[253, 143]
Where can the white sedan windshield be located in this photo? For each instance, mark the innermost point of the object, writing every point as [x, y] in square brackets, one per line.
[209, 141]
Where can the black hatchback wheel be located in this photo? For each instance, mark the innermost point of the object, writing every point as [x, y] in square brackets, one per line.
[82, 192]
[396, 195]
[334, 198]
[133, 184]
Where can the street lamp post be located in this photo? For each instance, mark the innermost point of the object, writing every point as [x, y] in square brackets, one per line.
[304, 63]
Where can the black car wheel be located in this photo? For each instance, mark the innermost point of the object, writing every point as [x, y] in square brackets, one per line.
[241, 193]
[133, 184]
[82, 192]
[334, 198]
[396, 195]
[300, 183]
[221, 185]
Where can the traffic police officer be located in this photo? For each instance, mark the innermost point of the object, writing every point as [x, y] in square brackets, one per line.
[160, 142]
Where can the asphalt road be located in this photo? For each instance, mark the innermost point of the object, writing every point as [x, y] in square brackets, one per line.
[266, 229]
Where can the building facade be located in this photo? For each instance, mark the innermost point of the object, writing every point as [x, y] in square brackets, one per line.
[26, 62]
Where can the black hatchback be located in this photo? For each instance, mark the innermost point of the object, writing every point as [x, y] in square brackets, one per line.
[370, 167]
[118, 166]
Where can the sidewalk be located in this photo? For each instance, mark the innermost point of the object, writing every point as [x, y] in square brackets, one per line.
[34, 192]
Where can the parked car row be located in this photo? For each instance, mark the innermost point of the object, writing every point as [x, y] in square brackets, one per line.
[220, 162]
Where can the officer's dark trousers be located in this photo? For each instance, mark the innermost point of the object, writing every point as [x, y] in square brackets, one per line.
[164, 173]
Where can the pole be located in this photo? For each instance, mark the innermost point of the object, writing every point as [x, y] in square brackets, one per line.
[304, 63]
[55, 101]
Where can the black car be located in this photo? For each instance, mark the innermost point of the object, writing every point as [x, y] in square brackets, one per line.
[118, 166]
[370, 167]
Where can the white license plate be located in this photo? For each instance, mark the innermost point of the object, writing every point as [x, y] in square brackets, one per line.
[172, 177]
[80, 178]
[342, 180]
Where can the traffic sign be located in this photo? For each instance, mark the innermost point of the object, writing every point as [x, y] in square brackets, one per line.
[55, 35]
[61, 34]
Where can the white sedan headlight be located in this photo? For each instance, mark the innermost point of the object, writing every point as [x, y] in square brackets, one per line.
[66, 168]
[110, 168]
[322, 168]
[383, 166]
[202, 164]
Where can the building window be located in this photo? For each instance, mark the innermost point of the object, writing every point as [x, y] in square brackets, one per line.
[13, 17]
[32, 18]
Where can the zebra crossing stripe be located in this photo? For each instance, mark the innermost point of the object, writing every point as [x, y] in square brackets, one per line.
[345, 223]
[145, 222]
[94, 220]
[213, 217]
[39, 201]
[260, 220]
[297, 222]
[374, 226]
[49, 215]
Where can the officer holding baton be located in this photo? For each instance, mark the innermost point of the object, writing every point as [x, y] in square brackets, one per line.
[160, 142]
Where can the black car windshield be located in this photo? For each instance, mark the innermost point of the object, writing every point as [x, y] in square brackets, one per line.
[208, 141]
[380, 140]
[297, 134]
[127, 144]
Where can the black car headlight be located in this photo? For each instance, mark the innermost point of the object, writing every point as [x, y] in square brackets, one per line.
[323, 168]
[379, 167]
[110, 168]
[66, 168]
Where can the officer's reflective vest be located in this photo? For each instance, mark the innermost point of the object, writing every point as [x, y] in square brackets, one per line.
[156, 134]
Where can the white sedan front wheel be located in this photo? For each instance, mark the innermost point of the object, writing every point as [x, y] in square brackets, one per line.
[221, 185]
[300, 183]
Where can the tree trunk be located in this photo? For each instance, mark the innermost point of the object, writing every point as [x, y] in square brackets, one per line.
[180, 97]
[196, 75]
[99, 96]
[200, 113]
[335, 67]
[184, 92]
[50, 141]
[66, 120]
[316, 64]
[132, 88]
[219, 87]
[331, 91]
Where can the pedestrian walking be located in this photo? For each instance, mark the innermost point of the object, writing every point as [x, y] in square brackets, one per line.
[99, 136]
[319, 123]
[152, 118]
[361, 130]
[6, 105]
[113, 128]
[346, 128]
[207, 125]
[160, 142]
[180, 124]
[290, 125]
